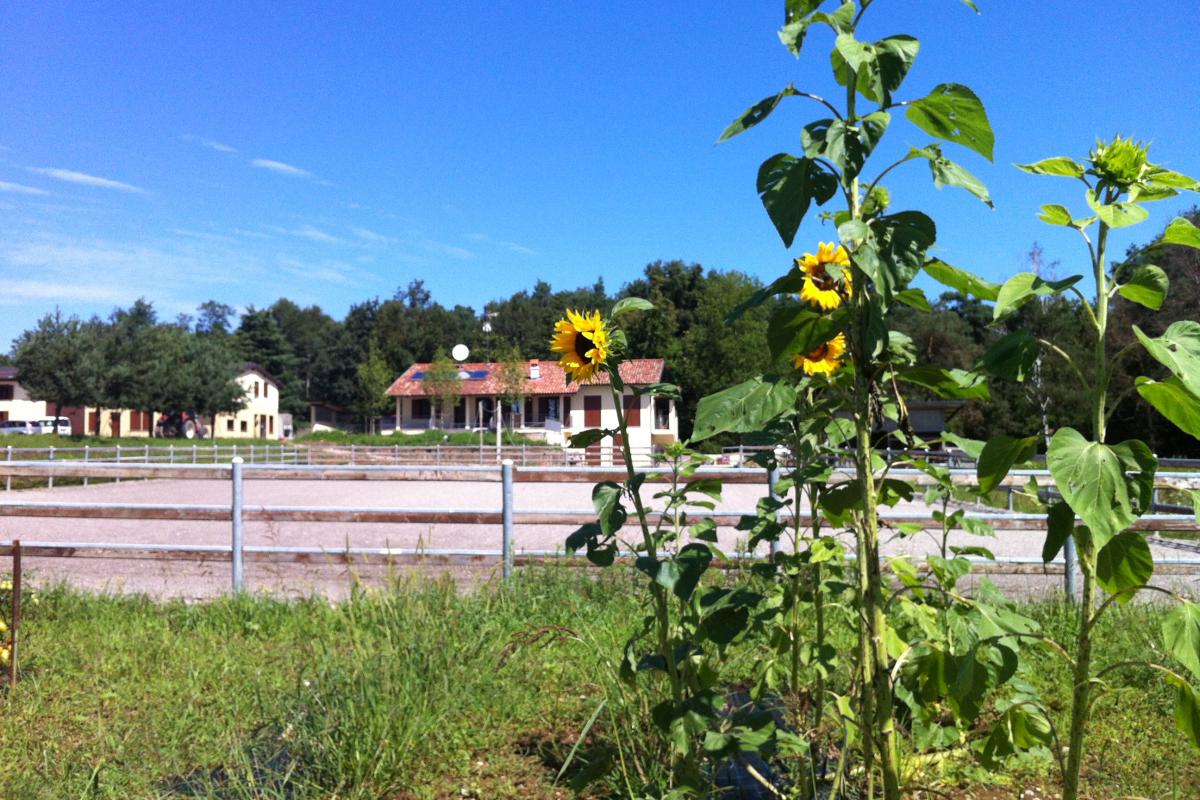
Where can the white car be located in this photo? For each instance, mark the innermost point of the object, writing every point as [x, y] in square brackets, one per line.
[59, 425]
[13, 427]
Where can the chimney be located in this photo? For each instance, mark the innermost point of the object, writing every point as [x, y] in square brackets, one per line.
[535, 370]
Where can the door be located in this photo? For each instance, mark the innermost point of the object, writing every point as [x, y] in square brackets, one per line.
[591, 411]
[115, 420]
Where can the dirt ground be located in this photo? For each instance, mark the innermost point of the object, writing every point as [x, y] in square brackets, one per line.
[192, 580]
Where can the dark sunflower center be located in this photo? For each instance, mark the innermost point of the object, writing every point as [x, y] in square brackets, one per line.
[820, 353]
[582, 345]
[823, 279]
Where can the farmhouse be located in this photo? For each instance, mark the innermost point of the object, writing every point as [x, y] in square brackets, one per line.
[551, 410]
[259, 417]
[15, 402]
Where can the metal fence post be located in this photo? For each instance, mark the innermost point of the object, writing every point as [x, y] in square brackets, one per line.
[118, 479]
[171, 453]
[506, 478]
[146, 455]
[1069, 569]
[8, 478]
[235, 513]
[523, 462]
[50, 477]
[437, 454]
[195, 452]
[87, 451]
[352, 448]
[251, 454]
[214, 457]
[772, 479]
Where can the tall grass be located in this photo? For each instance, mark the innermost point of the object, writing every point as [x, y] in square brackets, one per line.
[416, 692]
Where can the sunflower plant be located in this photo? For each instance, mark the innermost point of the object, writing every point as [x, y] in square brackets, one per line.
[1105, 487]
[835, 329]
[675, 655]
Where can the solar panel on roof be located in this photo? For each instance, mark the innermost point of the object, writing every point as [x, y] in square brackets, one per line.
[470, 375]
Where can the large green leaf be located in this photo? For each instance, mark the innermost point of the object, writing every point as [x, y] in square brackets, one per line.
[1146, 285]
[1108, 486]
[1055, 214]
[795, 329]
[1124, 564]
[998, 457]
[606, 499]
[744, 408]
[627, 304]
[894, 250]
[1183, 232]
[1178, 349]
[1060, 524]
[756, 113]
[1187, 713]
[1116, 215]
[1012, 357]
[847, 146]
[791, 283]
[878, 68]
[948, 173]
[962, 281]
[788, 186]
[1173, 400]
[1059, 165]
[1181, 635]
[1023, 287]
[954, 113]
[950, 384]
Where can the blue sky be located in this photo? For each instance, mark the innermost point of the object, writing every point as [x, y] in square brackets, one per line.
[332, 152]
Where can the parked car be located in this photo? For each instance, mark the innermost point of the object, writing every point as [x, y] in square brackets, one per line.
[49, 425]
[13, 427]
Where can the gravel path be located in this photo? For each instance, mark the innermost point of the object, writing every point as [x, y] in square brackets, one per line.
[193, 580]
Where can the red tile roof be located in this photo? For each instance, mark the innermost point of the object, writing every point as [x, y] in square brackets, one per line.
[636, 372]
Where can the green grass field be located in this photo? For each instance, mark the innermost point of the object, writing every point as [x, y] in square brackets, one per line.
[420, 692]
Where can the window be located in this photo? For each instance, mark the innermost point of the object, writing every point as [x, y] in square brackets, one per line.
[256, 388]
[566, 409]
[270, 421]
[421, 408]
[3, 416]
[662, 413]
[228, 424]
[6, 391]
[591, 411]
[245, 427]
[633, 409]
[266, 389]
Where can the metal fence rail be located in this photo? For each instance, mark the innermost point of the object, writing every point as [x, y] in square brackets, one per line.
[237, 512]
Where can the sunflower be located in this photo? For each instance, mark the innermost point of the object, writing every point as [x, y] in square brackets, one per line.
[825, 359]
[820, 288]
[583, 341]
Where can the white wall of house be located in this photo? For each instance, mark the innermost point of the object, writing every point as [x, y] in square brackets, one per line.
[259, 418]
[20, 407]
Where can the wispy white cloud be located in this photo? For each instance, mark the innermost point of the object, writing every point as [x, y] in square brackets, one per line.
[82, 178]
[513, 247]
[310, 232]
[203, 235]
[368, 235]
[20, 292]
[211, 144]
[289, 170]
[443, 249]
[20, 188]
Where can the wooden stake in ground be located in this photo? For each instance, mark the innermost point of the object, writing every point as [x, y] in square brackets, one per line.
[16, 613]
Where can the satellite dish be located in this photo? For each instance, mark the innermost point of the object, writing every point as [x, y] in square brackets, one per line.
[460, 352]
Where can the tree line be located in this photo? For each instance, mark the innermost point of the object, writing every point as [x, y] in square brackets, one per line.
[135, 360]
